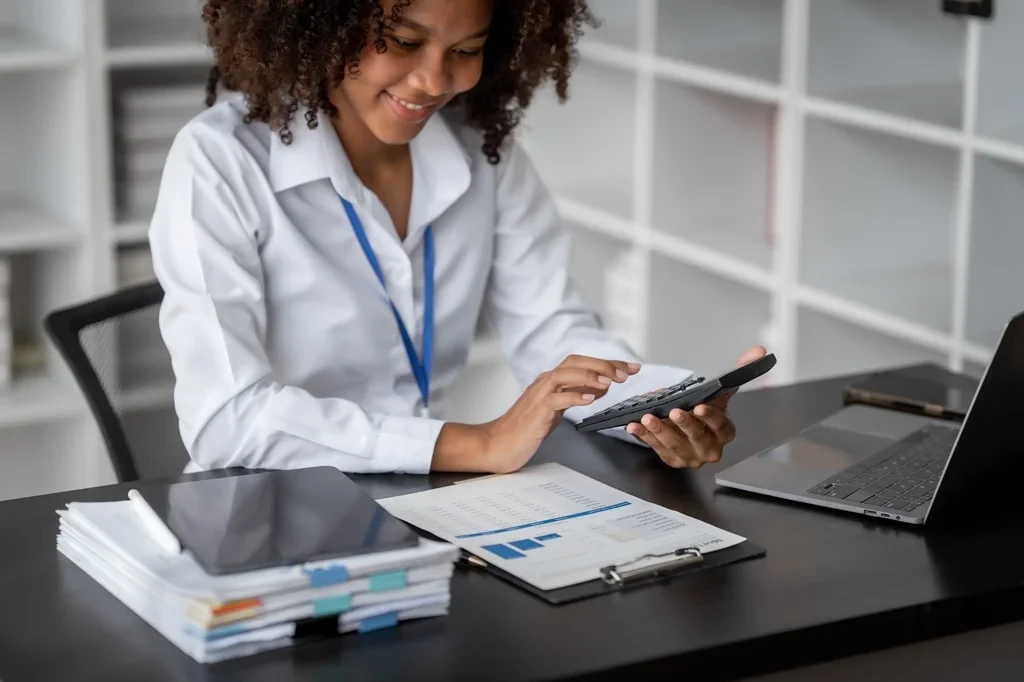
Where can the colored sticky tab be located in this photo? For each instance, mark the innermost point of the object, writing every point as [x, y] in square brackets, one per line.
[224, 631]
[384, 620]
[330, 575]
[328, 606]
[381, 582]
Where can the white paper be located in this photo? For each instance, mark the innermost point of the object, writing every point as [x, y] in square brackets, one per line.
[113, 529]
[552, 526]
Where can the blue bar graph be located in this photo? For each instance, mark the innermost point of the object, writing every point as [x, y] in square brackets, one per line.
[504, 552]
[526, 544]
[549, 536]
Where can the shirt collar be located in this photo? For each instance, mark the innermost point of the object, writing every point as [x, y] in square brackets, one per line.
[441, 168]
[299, 162]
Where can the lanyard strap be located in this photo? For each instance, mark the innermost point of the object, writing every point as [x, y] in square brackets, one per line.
[420, 370]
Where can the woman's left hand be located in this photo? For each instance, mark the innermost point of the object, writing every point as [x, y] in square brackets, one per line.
[691, 440]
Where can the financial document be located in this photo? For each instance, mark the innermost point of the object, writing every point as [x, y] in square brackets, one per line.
[554, 527]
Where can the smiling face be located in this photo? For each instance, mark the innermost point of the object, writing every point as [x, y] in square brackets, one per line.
[434, 53]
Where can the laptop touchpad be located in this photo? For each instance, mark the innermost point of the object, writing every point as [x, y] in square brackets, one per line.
[825, 448]
[805, 460]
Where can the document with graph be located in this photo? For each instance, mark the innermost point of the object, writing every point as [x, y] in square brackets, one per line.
[553, 527]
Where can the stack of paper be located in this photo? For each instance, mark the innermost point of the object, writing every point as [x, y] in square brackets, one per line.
[217, 617]
[148, 118]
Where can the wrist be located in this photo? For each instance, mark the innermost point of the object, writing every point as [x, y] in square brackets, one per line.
[465, 448]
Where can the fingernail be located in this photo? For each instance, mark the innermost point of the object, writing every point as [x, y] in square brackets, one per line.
[632, 428]
[701, 411]
[604, 381]
[621, 375]
[648, 420]
[633, 367]
[588, 396]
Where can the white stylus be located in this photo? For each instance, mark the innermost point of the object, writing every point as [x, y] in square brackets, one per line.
[155, 527]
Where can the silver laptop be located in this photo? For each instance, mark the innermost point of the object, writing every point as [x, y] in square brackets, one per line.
[905, 467]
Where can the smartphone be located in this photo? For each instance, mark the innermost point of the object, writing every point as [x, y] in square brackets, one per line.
[915, 390]
[685, 395]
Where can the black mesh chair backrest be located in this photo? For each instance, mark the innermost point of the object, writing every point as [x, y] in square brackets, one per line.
[113, 347]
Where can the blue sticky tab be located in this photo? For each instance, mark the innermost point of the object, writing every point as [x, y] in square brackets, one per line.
[384, 620]
[330, 575]
[329, 606]
[381, 582]
[224, 631]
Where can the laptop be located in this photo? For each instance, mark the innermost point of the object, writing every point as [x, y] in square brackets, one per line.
[906, 467]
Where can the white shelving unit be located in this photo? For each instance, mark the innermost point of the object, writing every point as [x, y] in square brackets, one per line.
[840, 180]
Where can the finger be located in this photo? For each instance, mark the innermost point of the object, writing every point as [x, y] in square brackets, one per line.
[641, 433]
[716, 420]
[617, 370]
[751, 354]
[705, 446]
[567, 377]
[563, 400]
[667, 435]
[722, 401]
[674, 440]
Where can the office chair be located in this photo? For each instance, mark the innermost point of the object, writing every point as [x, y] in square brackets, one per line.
[113, 347]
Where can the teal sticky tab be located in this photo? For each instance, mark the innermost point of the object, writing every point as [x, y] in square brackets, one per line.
[384, 620]
[329, 606]
[224, 631]
[381, 582]
[329, 575]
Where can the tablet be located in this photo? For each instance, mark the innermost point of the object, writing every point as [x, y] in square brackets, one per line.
[275, 518]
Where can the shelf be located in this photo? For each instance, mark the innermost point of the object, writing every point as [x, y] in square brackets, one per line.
[166, 41]
[877, 222]
[712, 171]
[995, 278]
[44, 174]
[42, 281]
[39, 399]
[606, 270]
[23, 51]
[904, 58]
[828, 347]
[692, 32]
[131, 233]
[1001, 107]
[24, 227]
[619, 21]
[699, 321]
[573, 146]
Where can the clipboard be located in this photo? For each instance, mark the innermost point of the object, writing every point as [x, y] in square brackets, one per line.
[621, 577]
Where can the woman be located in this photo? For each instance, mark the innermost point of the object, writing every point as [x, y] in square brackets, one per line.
[329, 233]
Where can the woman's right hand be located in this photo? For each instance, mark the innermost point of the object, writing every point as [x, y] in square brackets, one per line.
[512, 439]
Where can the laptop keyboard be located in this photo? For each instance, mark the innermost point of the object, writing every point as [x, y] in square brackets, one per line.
[902, 477]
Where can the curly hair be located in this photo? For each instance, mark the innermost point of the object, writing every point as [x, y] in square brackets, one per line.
[283, 55]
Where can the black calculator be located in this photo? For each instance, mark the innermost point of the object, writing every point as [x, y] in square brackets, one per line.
[685, 395]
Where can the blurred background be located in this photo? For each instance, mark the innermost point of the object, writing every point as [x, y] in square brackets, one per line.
[840, 180]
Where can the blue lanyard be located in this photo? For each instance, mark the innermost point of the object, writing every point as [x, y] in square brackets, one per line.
[420, 370]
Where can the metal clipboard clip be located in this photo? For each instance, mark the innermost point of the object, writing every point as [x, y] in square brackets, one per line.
[619, 575]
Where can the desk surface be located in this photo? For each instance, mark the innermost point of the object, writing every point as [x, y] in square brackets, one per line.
[831, 584]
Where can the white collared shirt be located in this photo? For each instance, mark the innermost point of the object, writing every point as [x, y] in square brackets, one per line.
[285, 351]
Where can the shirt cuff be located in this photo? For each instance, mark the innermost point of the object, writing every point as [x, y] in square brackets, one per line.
[406, 444]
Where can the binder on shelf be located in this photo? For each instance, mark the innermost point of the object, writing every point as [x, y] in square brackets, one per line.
[617, 578]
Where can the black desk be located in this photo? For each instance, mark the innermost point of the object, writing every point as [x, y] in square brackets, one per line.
[832, 585]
